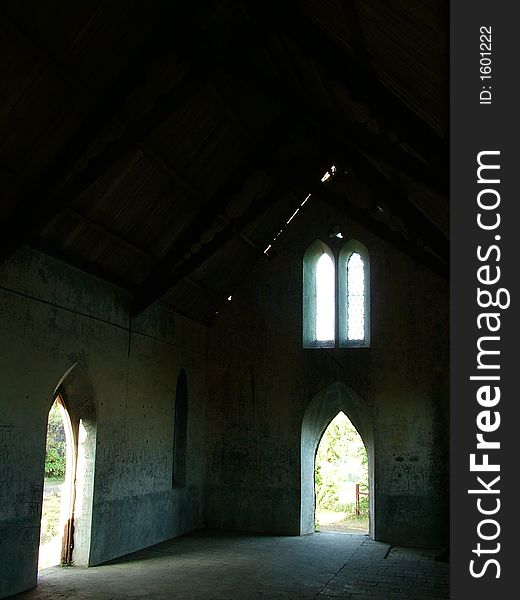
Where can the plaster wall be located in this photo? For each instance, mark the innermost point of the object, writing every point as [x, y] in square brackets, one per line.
[261, 382]
[52, 318]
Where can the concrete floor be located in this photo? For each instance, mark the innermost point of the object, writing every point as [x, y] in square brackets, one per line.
[225, 566]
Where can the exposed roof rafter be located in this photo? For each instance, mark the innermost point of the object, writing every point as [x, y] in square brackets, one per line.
[395, 239]
[260, 157]
[355, 135]
[359, 80]
[74, 168]
[334, 141]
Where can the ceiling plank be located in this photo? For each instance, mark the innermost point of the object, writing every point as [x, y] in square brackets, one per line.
[386, 194]
[43, 203]
[182, 261]
[77, 262]
[241, 234]
[259, 156]
[308, 178]
[395, 239]
[379, 145]
[340, 66]
[103, 231]
[75, 169]
[357, 39]
[333, 141]
[205, 289]
[68, 174]
[147, 295]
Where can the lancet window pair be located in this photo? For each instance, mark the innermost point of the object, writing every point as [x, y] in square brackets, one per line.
[336, 296]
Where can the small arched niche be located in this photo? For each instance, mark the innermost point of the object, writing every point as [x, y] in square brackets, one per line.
[180, 431]
[322, 409]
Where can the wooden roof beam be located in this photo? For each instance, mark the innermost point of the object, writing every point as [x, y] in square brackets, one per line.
[307, 178]
[360, 81]
[184, 262]
[281, 91]
[43, 203]
[333, 141]
[259, 155]
[67, 175]
[416, 224]
[395, 239]
[357, 39]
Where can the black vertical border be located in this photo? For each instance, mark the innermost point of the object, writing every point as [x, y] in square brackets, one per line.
[474, 128]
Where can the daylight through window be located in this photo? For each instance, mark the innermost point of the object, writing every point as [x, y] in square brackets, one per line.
[325, 298]
[339, 287]
[355, 298]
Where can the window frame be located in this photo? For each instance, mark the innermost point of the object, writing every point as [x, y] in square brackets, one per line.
[350, 248]
[309, 313]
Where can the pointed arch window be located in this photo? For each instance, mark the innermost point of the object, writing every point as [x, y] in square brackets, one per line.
[354, 295]
[319, 296]
[351, 303]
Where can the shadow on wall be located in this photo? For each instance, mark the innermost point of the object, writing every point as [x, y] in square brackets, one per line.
[320, 412]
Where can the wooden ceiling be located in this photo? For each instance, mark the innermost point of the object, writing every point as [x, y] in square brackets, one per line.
[161, 145]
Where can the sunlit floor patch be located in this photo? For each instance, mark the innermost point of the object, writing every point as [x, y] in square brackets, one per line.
[226, 566]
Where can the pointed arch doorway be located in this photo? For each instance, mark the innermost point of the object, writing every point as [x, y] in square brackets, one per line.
[56, 532]
[322, 409]
[341, 479]
[73, 417]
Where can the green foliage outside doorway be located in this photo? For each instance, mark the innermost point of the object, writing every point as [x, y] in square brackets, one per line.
[341, 463]
[55, 456]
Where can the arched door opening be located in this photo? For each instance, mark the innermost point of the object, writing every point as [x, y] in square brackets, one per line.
[341, 479]
[56, 533]
[321, 411]
[66, 525]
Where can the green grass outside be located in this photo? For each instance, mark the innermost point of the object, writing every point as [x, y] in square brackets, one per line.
[51, 510]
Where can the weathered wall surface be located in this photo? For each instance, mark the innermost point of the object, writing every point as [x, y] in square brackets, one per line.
[51, 318]
[244, 433]
[261, 381]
